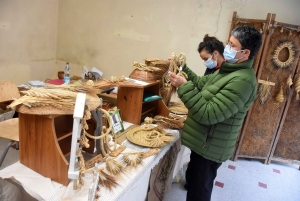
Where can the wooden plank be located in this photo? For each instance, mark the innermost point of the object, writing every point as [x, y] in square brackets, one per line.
[9, 129]
[39, 149]
[8, 91]
[129, 101]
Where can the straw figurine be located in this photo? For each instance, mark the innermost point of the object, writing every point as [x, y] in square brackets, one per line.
[114, 166]
[297, 87]
[289, 83]
[264, 90]
[132, 159]
[280, 97]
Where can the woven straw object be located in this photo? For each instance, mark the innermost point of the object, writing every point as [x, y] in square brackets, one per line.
[172, 121]
[143, 75]
[178, 108]
[149, 136]
[162, 64]
[54, 100]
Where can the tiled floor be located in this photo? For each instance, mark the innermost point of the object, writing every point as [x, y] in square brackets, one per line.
[249, 180]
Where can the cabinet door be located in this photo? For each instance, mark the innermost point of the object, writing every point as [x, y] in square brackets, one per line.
[260, 132]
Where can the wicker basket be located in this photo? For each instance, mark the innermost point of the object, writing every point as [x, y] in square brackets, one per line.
[162, 64]
[144, 75]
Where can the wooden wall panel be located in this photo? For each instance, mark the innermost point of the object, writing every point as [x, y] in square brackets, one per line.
[264, 120]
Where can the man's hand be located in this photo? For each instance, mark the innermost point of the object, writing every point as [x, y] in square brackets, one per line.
[176, 80]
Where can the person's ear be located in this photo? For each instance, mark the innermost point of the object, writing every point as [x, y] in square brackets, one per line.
[247, 52]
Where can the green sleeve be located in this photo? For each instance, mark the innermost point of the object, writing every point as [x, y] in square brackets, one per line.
[223, 104]
[198, 81]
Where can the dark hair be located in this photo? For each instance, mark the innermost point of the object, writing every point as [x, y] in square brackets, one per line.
[249, 37]
[210, 44]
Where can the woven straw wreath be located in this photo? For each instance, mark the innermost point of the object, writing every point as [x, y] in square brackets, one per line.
[149, 136]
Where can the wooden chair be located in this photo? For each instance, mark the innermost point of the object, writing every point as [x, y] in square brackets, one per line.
[9, 129]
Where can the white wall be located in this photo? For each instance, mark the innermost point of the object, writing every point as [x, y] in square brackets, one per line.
[111, 34]
[28, 39]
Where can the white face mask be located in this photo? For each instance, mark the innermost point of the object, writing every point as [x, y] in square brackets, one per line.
[229, 54]
[209, 63]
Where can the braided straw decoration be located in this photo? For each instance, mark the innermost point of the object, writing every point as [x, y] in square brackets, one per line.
[104, 134]
[174, 68]
[149, 136]
[283, 64]
[171, 122]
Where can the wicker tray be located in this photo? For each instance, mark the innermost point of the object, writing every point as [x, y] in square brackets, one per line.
[138, 135]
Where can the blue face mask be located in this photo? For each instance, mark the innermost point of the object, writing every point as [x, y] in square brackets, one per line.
[229, 54]
[209, 63]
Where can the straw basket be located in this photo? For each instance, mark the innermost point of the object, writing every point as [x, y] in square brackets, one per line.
[144, 75]
[162, 64]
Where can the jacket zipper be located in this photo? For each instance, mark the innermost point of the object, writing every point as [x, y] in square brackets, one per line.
[209, 134]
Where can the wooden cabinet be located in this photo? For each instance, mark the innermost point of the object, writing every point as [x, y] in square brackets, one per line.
[133, 108]
[45, 144]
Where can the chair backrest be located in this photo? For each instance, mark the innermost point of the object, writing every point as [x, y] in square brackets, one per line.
[8, 91]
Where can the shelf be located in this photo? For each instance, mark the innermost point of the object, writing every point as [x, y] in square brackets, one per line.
[64, 136]
[130, 102]
[67, 154]
[63, 126]
[65, 145]
[148, 110]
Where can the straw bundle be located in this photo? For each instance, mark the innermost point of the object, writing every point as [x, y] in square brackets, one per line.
[114, 166]
[172, 122]
[62, 98]
[111, 82]
[132, 159]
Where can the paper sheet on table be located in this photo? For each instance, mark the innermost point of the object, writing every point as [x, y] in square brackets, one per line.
[36, 83]
[31, 181]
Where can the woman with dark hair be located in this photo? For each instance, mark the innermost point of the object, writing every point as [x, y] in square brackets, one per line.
[217, 104]
[211, 52]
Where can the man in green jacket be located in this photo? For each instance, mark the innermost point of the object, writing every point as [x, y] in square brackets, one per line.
[217, 105]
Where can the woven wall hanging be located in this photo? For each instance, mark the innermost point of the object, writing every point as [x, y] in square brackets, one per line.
[283, 43]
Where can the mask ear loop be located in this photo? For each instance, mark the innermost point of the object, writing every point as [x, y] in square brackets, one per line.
[240, 51]
[212, 57]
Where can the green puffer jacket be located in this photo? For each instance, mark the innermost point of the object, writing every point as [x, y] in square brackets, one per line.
[217, 105]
